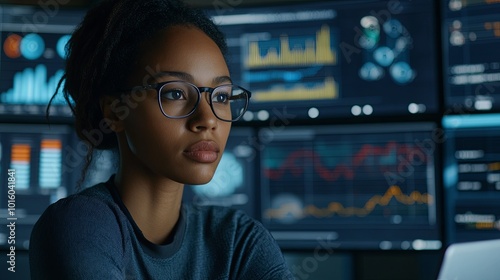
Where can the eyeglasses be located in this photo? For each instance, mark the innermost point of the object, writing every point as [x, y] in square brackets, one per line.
[179, 99]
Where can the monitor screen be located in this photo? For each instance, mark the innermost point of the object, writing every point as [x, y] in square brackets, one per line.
[472, 177]
[471, 34]
[353, 187]
[34, 169]
[32, 58]
[333, 60]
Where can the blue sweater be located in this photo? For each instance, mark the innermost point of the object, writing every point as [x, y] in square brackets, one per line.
[91, 235]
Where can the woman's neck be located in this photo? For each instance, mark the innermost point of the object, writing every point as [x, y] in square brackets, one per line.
[153, 202]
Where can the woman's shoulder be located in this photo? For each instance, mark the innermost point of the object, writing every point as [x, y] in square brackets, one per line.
[92, 199]
[85, 230]
[92, 206]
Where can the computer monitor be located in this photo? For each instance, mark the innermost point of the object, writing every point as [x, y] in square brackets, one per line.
[471, 33]
[334, 59]
[472, 177]
[37, 169]
[32, 59]
[352, 187]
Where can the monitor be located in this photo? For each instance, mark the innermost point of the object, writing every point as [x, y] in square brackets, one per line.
[352, 187]
[32, 59]
[36, 170]
[472, 177]
[471, 34]
[334, 59]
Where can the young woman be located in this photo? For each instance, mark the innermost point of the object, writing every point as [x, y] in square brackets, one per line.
[151, 77]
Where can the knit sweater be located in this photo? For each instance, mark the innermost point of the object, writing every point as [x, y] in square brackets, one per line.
[91, 235]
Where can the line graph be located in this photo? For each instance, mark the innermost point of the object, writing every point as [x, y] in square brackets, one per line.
[381, 156]
[336, 208]
[328, 89]
[323, 180]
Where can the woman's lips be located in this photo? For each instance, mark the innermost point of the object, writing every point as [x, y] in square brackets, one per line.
[203, 151]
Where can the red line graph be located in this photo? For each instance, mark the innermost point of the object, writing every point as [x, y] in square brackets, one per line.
[346, 170]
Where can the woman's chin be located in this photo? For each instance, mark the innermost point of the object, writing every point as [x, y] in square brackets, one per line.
[199, 180]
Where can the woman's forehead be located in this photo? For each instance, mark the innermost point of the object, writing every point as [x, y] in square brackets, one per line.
[183, 51]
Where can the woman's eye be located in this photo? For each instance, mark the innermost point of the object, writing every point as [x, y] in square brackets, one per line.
[173, 95]
[221, 98]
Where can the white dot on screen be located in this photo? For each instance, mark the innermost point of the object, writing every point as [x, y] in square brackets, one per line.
[472, 36]
[385, 245]
[356, 110]
[248, 116]
[457, 24]
[367, 109]
[397, 219]
[413, 108]
[419, 244]
[263, 115]
[313, 113]
[405, 245]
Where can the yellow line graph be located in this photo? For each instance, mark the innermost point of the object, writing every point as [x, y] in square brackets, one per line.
[394, 192]
[326, 90]
[315, 52]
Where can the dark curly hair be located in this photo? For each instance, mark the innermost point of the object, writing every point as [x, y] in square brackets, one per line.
[104, 48]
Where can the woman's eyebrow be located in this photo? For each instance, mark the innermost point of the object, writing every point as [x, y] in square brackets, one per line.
[222, 80]
[181, 75]
[188, 77]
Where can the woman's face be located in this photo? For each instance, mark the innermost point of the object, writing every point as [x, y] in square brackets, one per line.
[185, 150]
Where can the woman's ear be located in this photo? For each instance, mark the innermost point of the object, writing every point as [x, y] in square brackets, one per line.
[113, 116]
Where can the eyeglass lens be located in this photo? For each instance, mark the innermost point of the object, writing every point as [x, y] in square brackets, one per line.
[179, 99]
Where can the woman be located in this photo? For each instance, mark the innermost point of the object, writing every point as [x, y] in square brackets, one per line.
[151, 77]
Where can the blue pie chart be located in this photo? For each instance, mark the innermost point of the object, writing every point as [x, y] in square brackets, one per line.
[32, 46]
